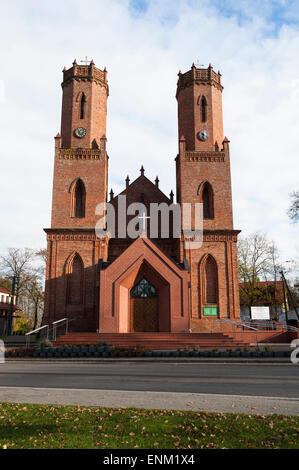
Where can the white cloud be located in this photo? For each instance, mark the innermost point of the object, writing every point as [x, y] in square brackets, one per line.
[255, 50]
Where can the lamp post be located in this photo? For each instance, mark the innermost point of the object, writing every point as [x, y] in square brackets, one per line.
[10, 308]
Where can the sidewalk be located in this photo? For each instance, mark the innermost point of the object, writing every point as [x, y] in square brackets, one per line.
[152, 400]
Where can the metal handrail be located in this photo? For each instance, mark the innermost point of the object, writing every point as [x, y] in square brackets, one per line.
[248, 325]
[55, 324]
[238, 325]
[28, 335]
[66, 320]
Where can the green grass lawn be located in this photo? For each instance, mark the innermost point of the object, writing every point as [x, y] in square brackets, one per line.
[25, 426]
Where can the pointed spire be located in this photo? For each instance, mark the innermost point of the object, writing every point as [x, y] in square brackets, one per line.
[91, 62]
[57, 136]
[171, 196]
[127, 181]
[111, 194]
[225, 144]
[157, 181]
[75, 62]
[64, 69]
[142, 170]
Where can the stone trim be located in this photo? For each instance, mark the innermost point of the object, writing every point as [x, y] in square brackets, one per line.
[79, 154]
[204, 156]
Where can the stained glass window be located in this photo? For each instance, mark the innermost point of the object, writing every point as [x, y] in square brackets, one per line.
[143, 289]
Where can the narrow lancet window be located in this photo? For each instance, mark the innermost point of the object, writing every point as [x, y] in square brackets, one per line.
[203, 109]
[78, 199]
[82, 106]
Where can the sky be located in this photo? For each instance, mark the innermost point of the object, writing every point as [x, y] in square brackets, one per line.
[143, 44]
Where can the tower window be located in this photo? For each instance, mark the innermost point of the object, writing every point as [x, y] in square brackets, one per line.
[203, 109]
[78, 197]
[211, 285]
[75, 280]
[207, 198]
[82, 106]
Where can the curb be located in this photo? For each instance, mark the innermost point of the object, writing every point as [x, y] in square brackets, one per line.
[195, 360]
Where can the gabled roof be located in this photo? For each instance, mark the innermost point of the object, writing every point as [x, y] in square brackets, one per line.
[138, 250]
[4, 291]
[143, 190]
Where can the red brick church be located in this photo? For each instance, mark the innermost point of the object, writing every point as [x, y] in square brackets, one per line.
[116, 284]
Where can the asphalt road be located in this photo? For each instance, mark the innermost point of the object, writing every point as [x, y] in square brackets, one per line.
[228, 379]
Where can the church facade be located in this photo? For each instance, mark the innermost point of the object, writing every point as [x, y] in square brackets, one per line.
[116, 283]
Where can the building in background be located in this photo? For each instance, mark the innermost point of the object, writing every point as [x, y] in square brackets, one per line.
[5, 297]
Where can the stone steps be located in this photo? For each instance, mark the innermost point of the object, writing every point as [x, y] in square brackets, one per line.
[152, 341]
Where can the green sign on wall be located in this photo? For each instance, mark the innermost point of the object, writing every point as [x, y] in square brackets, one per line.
[210, 311]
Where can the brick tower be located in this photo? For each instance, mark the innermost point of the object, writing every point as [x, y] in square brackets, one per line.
[203, 175]
[79, 185]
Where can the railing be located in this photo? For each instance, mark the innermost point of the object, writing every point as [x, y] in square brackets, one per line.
[225, 325]
[28, 335]
[56, 324]
[51, 332]
[235, 325]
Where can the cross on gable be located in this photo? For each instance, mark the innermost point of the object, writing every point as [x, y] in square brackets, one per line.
[198, 64]
[143, 218]
[86, 61]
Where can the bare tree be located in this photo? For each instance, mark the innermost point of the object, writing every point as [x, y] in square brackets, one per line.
[293, 211]
[35, 293]
[17, 262]
[259, 260]
[254, 261]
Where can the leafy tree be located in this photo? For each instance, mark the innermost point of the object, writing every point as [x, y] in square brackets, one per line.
[5, 283]
[22, 325]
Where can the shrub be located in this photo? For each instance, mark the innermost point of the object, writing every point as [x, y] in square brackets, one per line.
[45, 343]
[22, 326]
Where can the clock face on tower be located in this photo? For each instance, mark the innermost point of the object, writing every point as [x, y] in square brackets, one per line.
[80, 132]
[203, 135]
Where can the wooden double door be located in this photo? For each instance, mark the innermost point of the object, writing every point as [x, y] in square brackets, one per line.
[144, 307]
[144, 314]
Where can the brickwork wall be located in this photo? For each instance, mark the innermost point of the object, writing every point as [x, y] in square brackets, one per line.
[76, 81]
[199, 162]
[62, 245]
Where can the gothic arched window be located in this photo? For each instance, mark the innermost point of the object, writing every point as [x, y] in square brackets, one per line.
[74, 272]
[82, 106]
[78, 197]
[203, 109]
[210, 281]
[207, 198]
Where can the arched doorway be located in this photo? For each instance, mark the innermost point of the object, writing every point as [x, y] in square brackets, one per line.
[144, 307]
